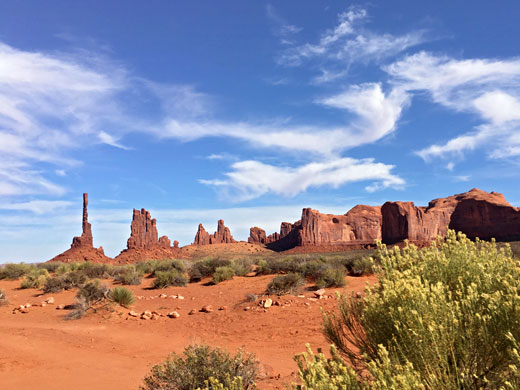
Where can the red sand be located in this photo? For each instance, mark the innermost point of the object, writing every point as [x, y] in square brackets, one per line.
[110, 350]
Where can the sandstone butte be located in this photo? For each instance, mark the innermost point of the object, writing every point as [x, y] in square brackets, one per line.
[221, 236]
[476, 213]
[82, 247]
[144, 242]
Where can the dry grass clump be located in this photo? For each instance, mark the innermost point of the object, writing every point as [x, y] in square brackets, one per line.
[88, 297]
[3, 298]
[165, 279]
[36, 278]
[286, 284]
[122, 296]
[203, 367]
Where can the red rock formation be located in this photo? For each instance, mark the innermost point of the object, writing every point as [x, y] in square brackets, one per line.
[144, 242]
[256, 236]
[221, 236]
[82, 247]
[86, 235]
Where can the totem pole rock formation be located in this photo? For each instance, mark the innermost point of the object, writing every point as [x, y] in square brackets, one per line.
[82, 247]
[221, 236]
[86, 235]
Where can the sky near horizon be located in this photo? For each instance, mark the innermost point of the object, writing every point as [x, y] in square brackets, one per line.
[246, 111]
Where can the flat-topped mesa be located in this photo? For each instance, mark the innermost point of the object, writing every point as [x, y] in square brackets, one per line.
[144, 233]
[86, 236]
[221, 236]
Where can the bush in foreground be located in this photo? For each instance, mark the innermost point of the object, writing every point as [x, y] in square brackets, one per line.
[67, 281]
[440, 318]
[286, 284]
[170, 278]
[204, 268]
[35, 278]
[128, 276]
[122, 296]
[204, 367]
[14, 271]
[88, 296]
[332, 277]
[222, 273]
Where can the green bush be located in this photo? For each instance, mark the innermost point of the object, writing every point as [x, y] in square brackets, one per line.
[445, 317]
[94, 270]
[13, 271]
[242, 267]
[204, 268]
[88, 296]
[122, 296]
[332, 277]
[221, 274]
[170, 278]
[35, 278]
[51, 267]
[285, 284]
[204, 367]
[67, 281]
[362, 266]
[128, 276]
[3, 298]
[168, 265]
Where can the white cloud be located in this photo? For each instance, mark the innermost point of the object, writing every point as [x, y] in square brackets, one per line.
[349, 42]
[486, 87]
[251, 179]
[283, 29]
[37, 206]
[111, 140]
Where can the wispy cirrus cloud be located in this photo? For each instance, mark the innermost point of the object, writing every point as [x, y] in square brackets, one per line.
[251, 179]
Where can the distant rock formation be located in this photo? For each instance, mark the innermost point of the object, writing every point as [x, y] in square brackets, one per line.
[476, 213]
[144, 242]
[221, 236]
[86, 235]
[82, 247]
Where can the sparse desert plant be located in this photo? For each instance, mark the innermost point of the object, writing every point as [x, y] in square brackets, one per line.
[95, 271]
[313, 269]
[204, 367]
[285, 284]
[67, 281]
[242, 266]
[88, 296]
[170, 278]
[445, 317]
[35, 278]
[332, 277]
[251, 297]
[122, 296]
[167, 265]
[3, 298]
[14, 271]
[51, 267]
[128, 276]
[362, 266]
[204, 268]
[221, 274]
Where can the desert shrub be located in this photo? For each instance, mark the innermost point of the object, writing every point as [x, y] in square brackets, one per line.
[170, 278]
[251, 297]
[168, 265]
[67, 281]
[242, 266]
[332, 277]
[95, 271]
[128, 276]
[3, 298]
[313, 269]
[35, 279]
[285, 284]
[201, 366]
[204, 268]
[362, 266]
[145, 267]
[14, 271]
[122, 296]
[221, 274]
[51, 267]
[445, 317]
[88, 296]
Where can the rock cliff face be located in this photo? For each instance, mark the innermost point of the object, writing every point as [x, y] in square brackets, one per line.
[476, 213]
[221, 236]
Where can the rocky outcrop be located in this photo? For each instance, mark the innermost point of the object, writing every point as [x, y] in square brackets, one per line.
[82, 247]
[256, 236]
[86, 235]
[144, 242]
[221, 236]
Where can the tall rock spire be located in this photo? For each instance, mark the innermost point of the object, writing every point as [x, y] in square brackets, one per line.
[86, 236]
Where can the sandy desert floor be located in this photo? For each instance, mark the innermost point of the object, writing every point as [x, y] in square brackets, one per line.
[111, 350]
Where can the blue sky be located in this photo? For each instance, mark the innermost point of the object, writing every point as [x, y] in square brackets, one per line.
[247, 111]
